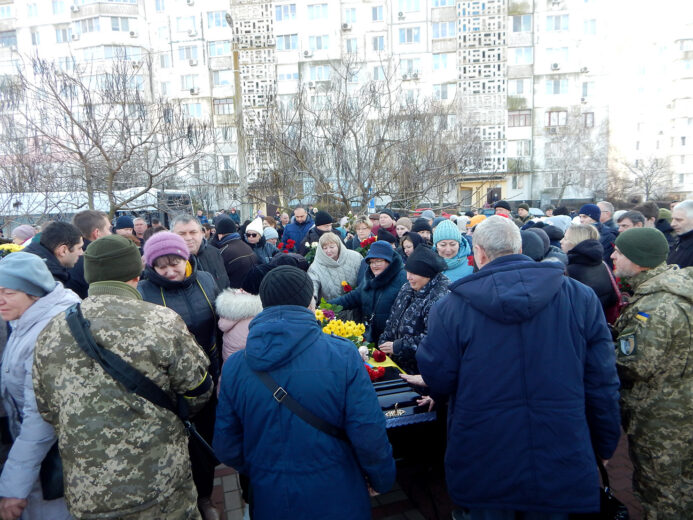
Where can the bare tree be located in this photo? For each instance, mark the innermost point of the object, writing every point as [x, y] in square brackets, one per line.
[651, 177]
[102, 131]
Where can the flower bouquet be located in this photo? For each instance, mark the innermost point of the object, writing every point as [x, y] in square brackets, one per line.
[310, 255]
[286, 247]
[346, 287]
[365, 246]
[6, 249]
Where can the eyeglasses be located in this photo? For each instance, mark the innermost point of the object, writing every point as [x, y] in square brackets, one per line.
[377, 261]
[251, 235]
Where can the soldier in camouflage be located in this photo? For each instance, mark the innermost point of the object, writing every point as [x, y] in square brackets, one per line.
[123, 456]
[655, 364]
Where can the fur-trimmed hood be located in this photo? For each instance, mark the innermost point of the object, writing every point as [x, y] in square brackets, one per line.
[235, 305]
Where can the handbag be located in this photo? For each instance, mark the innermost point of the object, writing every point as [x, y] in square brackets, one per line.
[612, 313]
[51, 474]
[131, 378]
[610, 507]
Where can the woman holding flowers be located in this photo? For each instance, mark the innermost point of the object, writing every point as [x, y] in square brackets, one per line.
[362, 227]
[333, 264]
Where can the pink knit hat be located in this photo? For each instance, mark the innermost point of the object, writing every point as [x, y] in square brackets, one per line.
[24, 232]
[164, 243]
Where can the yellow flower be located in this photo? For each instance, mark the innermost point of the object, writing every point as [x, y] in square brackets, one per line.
[319, 315]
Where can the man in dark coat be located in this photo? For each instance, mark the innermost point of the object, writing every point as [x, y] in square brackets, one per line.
[297, 470]
[530, 404]
[298, 228]
[682, 224]
[208, 257]
[323, 224]
[60, 246]
[92, 224]
[237, 256]
[590, 214]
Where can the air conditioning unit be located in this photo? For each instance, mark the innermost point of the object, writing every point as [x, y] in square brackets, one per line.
[552, 129]
[190, 2]
[74, 8]
[192, 63]
[311, 84]
[346, 27]
[400, 15]
[192, 33]
[405, 77]
[583, 100]
[194, 91]
[307, 54]
[584, 70]
[136, 64]
[75, 37]
[555, 66]
[133, 34]
[415, 75]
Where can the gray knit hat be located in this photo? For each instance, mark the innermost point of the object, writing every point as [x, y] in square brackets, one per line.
[27, 273]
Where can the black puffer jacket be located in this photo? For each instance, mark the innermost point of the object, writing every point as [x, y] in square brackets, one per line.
[408, 322]
[681, 252]
[193, 300]
[238, 258]
[209, 260]
[585, 264]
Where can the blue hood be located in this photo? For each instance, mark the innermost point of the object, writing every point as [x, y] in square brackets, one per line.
[279, 334]
[514, 283]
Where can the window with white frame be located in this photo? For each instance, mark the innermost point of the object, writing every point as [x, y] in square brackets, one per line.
[557, 22]
[319, 43]
[285, 12]
[443, 3]
[351, 45]
[350, 15]
[165, 60]
[287, 73]
[193, 109]
[378, 73]
[220, 48]
[556, 118]
[222, 78]
[522, 23]
[32, 10]
[409, 6]
[443, 30]
[165, 88]
[287, 42]
[517, 182]
[185, 24]
[587, 89]
[87, 25]
[410, 65]
[160, 5]
[121, 23]
[444, 91]
[188, 81]
[521, 55]
[35, 39]
[187, 52]
[443, 60]
[317, 11]
[410, 35]
[58, 6]
[223, 106]
[62, 34]
[520, 148]
[588, 120]
[216, 19]
[556, 86]
[518, 87]
[319, 72]
[6, 11]
[378, 43]
[377, 13]
[590, 27]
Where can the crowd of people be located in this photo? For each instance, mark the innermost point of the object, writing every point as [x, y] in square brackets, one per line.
[539, 337]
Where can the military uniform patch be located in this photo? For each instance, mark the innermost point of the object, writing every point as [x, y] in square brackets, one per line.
[627, 344]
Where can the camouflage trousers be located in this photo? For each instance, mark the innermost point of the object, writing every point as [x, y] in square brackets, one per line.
[663, 477]
[181, 505]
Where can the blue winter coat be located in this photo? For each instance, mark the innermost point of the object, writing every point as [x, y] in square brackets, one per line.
[296, 471]
[526, 357]
[297, 232]
[375, 297]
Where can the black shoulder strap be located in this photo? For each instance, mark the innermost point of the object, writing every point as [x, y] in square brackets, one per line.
[282, 397]
[131, 378]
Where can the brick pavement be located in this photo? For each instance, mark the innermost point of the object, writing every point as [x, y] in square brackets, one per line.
[396, 506]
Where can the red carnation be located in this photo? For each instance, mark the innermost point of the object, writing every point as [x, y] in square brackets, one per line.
[280, 245]
[379, 356]
[291, 243]
[470, 260]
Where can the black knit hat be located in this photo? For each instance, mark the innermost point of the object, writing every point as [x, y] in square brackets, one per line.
[502, 204]
[415, 239]
[293, 259]
[532, 245]
[424, 262]
[226, 226]
[421, 224]
[251, 282]
[389, 212]
[286, 285]
[386, 236]
[322, 217]
[112, 257]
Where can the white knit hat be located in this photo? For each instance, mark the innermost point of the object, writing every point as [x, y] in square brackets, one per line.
[255, 226]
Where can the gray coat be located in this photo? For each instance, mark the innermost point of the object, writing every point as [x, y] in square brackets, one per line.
[32, 436]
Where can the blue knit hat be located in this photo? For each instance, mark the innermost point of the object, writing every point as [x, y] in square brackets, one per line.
[124, 222]
[26, 273]
[446, 230]
[592, 211]
[380, 249]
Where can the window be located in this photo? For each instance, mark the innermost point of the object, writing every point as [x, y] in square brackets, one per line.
[410, 66]
[32, 10]
[8, 39]
[590, 27]
[587, 89]
[162, 33]
[444, 91]
[285, 12]
[520, 118]
[165, 88]
[409, 35]
[557, 118]
[216, 19]
[521, 56]
[287, 42]
[556, 86]
[377, 13]
[188, 52]
[35, 40]
[443, 3]
[319, 43]
[225, 162]
[119, 23]
[160, 5]
[317, 12]
[521, 148]
[185, 24]
[637, 145]
[518, 87]
[223, 106]
[62, 34]
[220, 48]
[58, 6]
[682, 178]
[193, 109]
[588, 119]
[409, 6]
[557, 22]
[443, 61]
[378, 43]
[289, 75]
[683, 140]
[188, 81]
[222, 78]
[319, 72]
[522, 23]
[443, 30]
[87, 25]
[517, 182]
[351, 45]
[683, 159]
[350, 15]
[165, 60]
[378, 73]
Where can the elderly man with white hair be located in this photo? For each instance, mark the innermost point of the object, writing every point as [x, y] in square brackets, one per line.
[682, 224]
[525, 357]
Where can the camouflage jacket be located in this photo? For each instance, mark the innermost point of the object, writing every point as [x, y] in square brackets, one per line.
[121, 454]
[655, 351]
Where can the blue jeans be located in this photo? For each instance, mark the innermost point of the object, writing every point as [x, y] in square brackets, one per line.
[504, 514]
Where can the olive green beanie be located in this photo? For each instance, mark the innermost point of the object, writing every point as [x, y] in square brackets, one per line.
[646, 247]
[113, 257]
